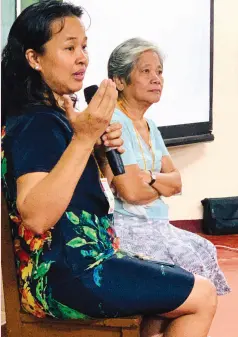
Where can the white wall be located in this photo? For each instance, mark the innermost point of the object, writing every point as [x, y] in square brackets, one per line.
[211, 169]
[181, 34]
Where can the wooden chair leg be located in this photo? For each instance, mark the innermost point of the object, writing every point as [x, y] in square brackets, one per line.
[130, 332]
[4, 330]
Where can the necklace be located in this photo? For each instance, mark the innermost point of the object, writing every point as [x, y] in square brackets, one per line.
[123, 109]
[98, 167]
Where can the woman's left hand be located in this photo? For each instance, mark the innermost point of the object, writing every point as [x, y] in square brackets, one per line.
[112, 137]
[145, 175]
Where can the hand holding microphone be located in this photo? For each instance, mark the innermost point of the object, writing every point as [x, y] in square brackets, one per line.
[90, 124]
[113, 156]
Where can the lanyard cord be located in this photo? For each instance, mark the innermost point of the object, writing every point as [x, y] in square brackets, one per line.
[99, 170]
[122, 108]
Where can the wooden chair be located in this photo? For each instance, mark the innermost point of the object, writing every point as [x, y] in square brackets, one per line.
[21, 324]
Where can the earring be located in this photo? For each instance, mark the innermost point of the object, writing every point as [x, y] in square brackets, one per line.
[37, 67]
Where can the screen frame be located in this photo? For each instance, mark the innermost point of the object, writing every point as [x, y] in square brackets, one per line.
[182, 134]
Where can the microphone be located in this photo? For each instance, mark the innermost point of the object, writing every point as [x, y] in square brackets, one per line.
[113, 156]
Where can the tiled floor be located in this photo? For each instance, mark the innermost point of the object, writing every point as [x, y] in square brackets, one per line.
[225, 323]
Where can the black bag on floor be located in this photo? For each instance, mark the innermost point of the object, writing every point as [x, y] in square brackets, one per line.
[220, 215]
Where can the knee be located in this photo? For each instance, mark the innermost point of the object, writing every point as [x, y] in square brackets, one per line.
[211, 247]
[201, 301]
[207, 295]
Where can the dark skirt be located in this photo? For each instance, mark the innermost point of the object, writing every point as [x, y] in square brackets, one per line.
[126, 286]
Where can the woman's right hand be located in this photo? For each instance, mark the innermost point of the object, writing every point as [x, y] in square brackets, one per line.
[91, 123]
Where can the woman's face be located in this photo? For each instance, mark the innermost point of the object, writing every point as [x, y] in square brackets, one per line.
[146, 79]
[65, 59]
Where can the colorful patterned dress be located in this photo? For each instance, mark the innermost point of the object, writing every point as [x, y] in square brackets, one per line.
[75, 269]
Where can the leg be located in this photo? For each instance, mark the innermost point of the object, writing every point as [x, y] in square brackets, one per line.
[162, 241]
[153, 326]
[130, 287]
[194, 317]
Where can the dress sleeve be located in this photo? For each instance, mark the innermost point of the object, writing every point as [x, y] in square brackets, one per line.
[128, 157]
[159, 140]
[39, 145]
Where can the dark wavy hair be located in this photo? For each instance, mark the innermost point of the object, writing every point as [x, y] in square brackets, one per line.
[22, 85]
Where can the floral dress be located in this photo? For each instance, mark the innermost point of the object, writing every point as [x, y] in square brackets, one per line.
[75, 269]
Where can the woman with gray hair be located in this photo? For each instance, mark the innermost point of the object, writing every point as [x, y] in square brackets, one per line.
[141, 216]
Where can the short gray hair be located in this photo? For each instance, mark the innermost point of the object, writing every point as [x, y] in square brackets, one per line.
[124, 57]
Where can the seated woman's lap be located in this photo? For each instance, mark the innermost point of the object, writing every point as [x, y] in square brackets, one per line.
[127, 286]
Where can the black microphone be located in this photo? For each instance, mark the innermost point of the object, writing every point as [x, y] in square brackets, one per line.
[113, 156]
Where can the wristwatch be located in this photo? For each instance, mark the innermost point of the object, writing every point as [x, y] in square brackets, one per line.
[153, 178]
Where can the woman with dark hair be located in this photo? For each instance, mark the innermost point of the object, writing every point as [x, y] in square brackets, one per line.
[68, 260]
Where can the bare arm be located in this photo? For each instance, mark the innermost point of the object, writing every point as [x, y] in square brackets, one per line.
[132, 188]
[43, 197]
[168, 181]
[112, 135]
[107, 172]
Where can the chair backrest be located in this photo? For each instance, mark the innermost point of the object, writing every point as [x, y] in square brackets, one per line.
[9, 277]
[21, 324]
